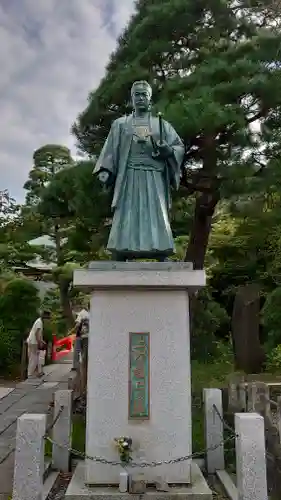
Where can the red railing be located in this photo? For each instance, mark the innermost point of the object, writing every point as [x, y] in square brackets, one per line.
[62, 347]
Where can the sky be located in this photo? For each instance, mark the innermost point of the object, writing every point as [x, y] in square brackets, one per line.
[52, 53]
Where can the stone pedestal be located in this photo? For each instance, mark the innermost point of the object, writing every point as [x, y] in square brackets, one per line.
[135, 297]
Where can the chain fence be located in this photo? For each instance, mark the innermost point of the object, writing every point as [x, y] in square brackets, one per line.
[224, 423]
[141, 464]
[53, 423]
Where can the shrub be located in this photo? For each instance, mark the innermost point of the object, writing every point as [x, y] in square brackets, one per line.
[10, 350]
[19, 304]
[271, 318]
[208, 318]
[57, 325]
[273, 359]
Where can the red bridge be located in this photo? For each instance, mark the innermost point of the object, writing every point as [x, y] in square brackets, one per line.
[62, 347]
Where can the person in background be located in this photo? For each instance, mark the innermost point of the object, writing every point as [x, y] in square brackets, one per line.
[81, 323]
[35, 343]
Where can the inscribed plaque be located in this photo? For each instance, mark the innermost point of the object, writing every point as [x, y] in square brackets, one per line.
[139, 376]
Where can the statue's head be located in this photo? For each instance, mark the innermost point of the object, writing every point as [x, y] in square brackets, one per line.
[141, 93]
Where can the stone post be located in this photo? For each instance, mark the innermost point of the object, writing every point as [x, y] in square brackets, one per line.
[29, 457]
[62, 430]
[242, 396]
[259, 400]
[250, 457]
[233, 401]
[213, 430]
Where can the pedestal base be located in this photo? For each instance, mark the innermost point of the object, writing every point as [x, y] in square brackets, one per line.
[197, 490]
[147, 298]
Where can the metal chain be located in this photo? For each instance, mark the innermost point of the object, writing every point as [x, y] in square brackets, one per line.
[225, 424]
[49, 427]
[132, 464]
[141, 465]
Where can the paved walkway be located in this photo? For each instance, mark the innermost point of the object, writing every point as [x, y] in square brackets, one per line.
[30, 396]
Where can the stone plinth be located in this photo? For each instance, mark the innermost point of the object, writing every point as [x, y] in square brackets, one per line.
[197, 490]
[129, 298]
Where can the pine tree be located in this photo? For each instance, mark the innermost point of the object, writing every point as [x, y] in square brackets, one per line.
[49, 160]
[214, 68]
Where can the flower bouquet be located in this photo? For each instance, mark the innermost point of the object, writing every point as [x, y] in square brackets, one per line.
[124, 447]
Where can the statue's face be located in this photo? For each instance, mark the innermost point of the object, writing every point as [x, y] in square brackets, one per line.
[141, 98]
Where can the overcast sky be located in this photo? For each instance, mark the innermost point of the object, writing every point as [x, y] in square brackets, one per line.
[52, 53]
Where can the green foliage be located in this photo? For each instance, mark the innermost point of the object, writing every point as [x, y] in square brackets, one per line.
[271, 317]
[13, 254]
[10, 350]
[213, 69]
[208, 319]
[212, 66]
[19, 304]
[14, 251]
[240, 252]
[48, 160]
[8, 208]
[273, 359]
[203, 375]
[57, 326]
[75, 196]
[52, 211]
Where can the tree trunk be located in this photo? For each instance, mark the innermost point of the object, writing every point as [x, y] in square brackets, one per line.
[248, 352]
[204, 210]
[206, 202]
[63, 283]
[59, 256]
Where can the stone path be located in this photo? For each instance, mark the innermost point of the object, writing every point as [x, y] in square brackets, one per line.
[29, 396]
[4, 391]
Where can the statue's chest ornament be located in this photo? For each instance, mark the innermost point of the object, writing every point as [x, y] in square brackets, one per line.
[141, 133]
[141, 130]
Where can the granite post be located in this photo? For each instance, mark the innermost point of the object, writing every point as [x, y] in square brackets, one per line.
[29, 457]
[213, 430]
[250, 457]
[149, 299]
[258, 398]
[62, 430]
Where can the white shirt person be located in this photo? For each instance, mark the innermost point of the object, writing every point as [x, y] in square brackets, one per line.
[34, 343]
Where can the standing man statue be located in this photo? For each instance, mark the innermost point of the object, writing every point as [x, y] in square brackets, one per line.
[141, 161]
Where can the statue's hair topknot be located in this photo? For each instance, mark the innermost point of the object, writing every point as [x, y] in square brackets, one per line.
[141, 83]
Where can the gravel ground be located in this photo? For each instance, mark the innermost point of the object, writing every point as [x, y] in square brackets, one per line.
[58, 490]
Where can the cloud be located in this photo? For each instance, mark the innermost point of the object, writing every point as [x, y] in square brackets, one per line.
[52, 53]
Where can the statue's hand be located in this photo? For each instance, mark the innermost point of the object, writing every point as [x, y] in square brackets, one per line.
[164, 149]
[103, 176]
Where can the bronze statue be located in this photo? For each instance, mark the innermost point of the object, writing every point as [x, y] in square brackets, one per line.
[141, 159]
